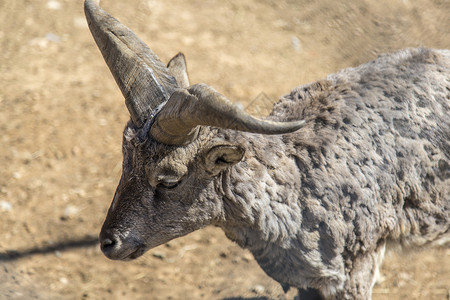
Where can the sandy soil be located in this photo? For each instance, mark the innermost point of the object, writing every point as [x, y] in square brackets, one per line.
[61, 118]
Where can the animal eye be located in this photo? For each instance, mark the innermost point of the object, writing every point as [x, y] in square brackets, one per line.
[169, 183]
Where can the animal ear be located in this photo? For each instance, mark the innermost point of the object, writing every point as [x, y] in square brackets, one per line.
[223, 156]
[177, 68]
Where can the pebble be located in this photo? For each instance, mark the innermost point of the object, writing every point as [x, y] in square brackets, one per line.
[258, 289]
[296, 44]
[70, 211]
[103, 122]
[53, 37]
[5, 206]
[159, 255]
[63, 280]
[42, 43]
[247, 257]
[54, 5]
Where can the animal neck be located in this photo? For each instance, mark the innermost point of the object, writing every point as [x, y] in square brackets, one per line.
[260, 194]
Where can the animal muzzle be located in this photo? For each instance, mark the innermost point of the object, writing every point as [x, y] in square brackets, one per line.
[120, 246]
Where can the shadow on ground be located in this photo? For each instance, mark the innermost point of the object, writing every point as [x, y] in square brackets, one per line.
[11, 255]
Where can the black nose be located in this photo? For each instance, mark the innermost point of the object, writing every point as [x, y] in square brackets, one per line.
[109, 242]
[107, 245]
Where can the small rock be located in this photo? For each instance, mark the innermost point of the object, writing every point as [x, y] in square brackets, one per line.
[258, 289]
[41, 43]
[159, 255]
[5, 206]
[78, 192]
[70, 211]
[103, 122]
[296, 44]
[54, 5]
[247, 257]
[53, 37]
[64, 280]
[31, 271]
[282, 24]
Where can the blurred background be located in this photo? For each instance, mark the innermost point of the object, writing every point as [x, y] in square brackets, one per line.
[62, 116]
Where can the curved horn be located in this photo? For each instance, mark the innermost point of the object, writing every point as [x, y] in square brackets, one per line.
[177, 123]
[143, 79]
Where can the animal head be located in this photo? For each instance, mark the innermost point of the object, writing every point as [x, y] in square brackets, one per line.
[178, 143]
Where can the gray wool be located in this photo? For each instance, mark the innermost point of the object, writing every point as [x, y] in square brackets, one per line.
[317, 207]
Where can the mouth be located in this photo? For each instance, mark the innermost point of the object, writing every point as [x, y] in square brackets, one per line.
[135, 254]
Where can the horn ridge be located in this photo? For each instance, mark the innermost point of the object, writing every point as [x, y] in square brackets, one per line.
[143, 79]
[200, 105]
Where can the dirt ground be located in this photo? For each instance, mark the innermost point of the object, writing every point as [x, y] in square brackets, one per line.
[61, 121]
